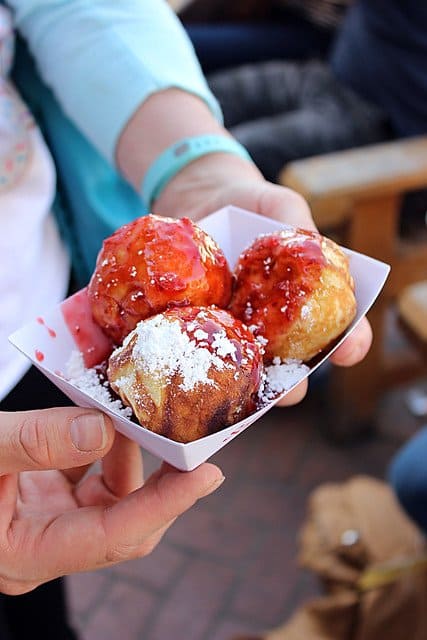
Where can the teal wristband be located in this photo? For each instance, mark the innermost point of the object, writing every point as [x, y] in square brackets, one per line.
[179, 155]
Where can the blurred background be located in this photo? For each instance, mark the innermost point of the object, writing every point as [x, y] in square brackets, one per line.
[230, 567]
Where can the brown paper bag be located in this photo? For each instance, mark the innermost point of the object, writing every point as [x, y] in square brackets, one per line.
[372, 561]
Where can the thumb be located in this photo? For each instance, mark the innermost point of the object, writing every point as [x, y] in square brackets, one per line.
[53, 439]
[285, 205]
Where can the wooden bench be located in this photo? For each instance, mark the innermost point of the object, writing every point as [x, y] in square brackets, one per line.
[356, 195]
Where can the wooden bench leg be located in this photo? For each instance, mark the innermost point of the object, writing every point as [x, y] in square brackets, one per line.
[353, 393]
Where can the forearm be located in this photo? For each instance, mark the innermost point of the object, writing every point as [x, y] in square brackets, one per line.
[104, 58]
[162, 120]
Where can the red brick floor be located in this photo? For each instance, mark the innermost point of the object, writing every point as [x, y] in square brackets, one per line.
[229, 565]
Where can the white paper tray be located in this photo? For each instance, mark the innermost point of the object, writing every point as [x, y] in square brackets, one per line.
[48, 343]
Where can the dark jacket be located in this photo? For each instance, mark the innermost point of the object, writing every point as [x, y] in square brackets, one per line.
[381, 53]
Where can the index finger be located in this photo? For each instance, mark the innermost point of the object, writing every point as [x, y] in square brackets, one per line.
[355, 347]
[350, 352]
[93, 537]
[284, 205]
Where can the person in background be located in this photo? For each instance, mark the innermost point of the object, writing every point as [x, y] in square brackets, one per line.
[408, 478]
[133, 101]
[226, 35]
[373, 88]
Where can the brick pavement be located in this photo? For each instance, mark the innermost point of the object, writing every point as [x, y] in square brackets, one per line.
[229, 566]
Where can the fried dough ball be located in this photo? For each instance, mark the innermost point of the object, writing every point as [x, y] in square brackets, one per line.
[151, 264]
[188, 372]
[294, 288]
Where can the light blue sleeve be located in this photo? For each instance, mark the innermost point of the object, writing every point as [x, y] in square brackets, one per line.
[103, 58]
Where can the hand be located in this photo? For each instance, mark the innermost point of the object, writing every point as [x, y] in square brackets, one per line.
[212, 182]
[217, 180]
[55, 521]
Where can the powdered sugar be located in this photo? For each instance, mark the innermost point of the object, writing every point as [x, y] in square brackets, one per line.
[223, 346]
[280, 377]
[88, 381]
[165, 348]
[200, 335]
[305, 311]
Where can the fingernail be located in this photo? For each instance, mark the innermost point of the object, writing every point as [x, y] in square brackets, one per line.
[355, 354]
[217, 483]
[88, 432]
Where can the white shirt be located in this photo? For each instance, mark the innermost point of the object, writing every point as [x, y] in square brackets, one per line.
[34, 265]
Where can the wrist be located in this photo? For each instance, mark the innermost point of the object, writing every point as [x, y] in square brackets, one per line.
[181, 154]
[201, 186]
[163, 119]
[204, 185]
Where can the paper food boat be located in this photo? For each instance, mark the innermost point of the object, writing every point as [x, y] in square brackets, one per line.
[48, 343]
